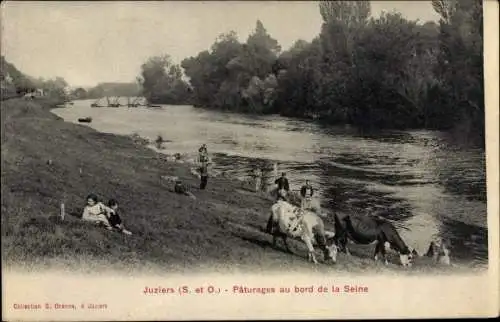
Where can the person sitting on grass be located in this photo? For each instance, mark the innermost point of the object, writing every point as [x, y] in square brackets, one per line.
[180, 188]
[114, 218]
[96, 212]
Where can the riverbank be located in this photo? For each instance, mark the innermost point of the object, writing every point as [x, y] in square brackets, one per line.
[219, 231]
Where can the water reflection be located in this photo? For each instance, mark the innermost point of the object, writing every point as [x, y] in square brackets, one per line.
[429, 186]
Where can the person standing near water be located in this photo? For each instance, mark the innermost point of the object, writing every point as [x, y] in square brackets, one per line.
[306, 192]
[203, 176]
[257, 177]
[269, 174]
[283, 187]
[203, 154]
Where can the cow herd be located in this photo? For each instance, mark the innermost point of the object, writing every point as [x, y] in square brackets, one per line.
[289, 221]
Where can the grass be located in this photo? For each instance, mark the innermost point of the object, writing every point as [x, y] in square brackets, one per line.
[220, 231]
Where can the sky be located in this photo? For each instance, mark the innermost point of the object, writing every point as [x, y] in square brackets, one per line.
[91, 42]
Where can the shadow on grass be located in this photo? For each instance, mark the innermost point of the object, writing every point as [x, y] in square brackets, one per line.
[49, 223]
[76, 213]
[258, 242]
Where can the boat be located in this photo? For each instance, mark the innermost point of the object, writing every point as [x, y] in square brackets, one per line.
[142, 101]
[96, 103]
[133, 103]
[115, 103]
[85, 120]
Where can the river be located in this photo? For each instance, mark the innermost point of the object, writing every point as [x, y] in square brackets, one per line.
[428, 184]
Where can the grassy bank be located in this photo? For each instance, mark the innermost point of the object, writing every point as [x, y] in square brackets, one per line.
[220, 230]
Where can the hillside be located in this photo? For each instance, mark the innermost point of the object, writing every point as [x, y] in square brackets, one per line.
[220, 230]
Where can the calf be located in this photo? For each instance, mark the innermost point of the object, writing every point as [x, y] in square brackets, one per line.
[439, 252]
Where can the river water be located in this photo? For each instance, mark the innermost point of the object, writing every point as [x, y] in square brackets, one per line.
[428, 184]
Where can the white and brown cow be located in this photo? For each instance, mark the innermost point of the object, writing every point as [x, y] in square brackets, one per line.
[287, 220]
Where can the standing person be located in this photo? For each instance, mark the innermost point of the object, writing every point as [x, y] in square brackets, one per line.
[257, 176]
[203, 154]
[203, 176]
[306, 192]
[283, 186]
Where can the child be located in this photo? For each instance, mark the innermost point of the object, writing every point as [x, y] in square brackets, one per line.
[257, 175]
[203, 156]
[96, 212]
[306, 192]
[182, 189]
[114, 219]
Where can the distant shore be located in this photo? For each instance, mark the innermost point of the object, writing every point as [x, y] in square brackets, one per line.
[219, 231]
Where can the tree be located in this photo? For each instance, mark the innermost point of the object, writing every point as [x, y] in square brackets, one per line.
[460, 67]
[385, 72]
[21, 82]
[445, 8]
[348, 12]
[162, 82]
[231, 74]
[387, 62]
[262, 51]
[79, 93]
[198, 70]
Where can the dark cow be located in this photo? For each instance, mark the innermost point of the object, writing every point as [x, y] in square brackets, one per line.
[366, 230]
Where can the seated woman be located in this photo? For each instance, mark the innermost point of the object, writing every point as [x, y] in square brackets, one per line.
[96, 212]
[114, 219]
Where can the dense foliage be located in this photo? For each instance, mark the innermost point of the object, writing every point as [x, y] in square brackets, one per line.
[109, 89]
[162, 82]
[15, 83]
[385, 72]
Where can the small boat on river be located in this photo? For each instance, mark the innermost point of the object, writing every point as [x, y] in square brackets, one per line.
[85, 120]
[96, 103]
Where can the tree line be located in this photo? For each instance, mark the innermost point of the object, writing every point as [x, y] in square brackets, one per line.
[384, 72]
[15, 83]
[109, 89]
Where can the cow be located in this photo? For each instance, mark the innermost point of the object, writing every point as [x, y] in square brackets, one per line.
[287, 220]
[367, 230]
